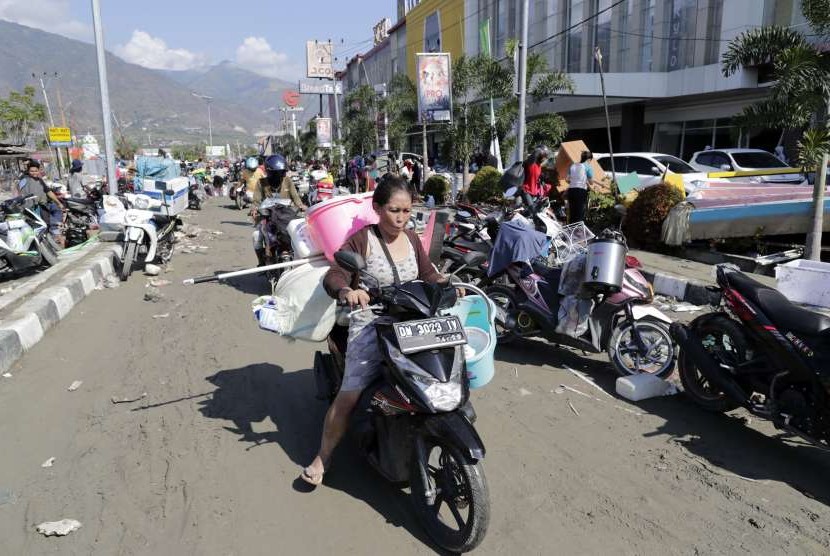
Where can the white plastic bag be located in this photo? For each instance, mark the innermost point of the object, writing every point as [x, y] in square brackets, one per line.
[300, 308]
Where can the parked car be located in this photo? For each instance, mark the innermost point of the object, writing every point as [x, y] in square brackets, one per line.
[737, 160]
[650, 168]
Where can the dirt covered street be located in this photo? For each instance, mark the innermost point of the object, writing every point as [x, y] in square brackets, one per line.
[207, 462]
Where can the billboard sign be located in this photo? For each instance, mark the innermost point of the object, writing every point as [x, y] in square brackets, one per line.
[215, 150]
[320, 87]
[291, 98]
[324, 132]
[434, 87]
[60, 137]
[319, 59]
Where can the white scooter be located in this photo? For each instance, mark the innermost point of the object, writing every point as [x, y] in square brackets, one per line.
[25, 243]
[147, 232]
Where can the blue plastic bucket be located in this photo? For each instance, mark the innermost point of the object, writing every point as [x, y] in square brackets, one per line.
[481, 337]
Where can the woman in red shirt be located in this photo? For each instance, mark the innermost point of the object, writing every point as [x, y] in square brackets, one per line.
[533, 187]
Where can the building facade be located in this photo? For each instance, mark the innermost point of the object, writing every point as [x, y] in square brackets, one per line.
[661, 60]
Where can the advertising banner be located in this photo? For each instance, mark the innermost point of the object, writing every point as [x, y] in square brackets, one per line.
[324, 132]
[319, 59]
[320, 87]
[434, 87]
[215, 150]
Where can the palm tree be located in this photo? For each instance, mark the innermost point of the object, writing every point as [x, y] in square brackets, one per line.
[401, 106]
[800, 95]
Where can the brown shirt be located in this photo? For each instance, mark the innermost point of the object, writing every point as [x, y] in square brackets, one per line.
[338, 277]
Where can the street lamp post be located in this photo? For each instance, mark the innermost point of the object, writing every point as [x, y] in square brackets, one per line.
[523, 81]
[207, 99]
[109, 144]
[598, 57]
[51, 119]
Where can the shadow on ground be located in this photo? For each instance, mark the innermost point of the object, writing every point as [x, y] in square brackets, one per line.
[262, 391]
[723, 441]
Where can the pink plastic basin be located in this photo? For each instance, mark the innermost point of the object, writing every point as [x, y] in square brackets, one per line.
[332, 222]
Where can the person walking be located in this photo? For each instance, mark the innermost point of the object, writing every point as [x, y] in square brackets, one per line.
[76, 184]
[580, 179]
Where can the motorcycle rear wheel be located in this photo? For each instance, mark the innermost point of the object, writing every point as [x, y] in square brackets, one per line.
[458, 487]
[624, 354]
[726, 341]
[239, 200]
[505, 301]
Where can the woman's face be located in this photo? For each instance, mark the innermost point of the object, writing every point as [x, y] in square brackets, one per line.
[394, 215]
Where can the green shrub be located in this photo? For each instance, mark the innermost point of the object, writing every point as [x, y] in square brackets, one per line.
[438, 187]
[645, 216]
[601, 213]
[485, 186]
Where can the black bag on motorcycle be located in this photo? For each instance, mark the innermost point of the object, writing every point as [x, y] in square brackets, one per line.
[279, 218]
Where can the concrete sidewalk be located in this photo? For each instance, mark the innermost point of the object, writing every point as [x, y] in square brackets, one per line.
[683, 279]
[46, 298]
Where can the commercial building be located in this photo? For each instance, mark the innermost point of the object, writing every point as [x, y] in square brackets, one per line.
[661, 60]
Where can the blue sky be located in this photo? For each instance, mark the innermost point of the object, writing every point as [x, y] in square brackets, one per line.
[266, 36]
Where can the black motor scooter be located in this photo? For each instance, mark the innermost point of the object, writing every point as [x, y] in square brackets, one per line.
[415, 423]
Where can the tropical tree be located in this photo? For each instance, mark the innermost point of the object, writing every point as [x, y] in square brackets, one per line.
[18, 114]
[308, 139]
[543, 83]
[359, 130]
[799, 96]
[401, 107]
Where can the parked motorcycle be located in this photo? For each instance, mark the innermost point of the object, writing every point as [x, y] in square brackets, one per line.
[147, 233]
[415, 424]
[621, 320]
[762, 352]
[81, 216]
[25, 242]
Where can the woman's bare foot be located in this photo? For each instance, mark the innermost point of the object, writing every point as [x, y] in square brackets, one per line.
[313, 474]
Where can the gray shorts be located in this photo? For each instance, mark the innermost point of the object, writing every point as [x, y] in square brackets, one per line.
[363, 360]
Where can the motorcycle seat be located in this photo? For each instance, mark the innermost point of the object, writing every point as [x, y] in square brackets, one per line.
[778, 308]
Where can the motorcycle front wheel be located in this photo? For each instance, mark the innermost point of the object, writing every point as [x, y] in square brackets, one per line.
[49, 251]
[658, 357]
[239, 200]
[455, 511]
[127, 261]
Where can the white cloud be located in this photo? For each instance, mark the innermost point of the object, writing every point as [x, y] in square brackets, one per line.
[152, 52]
[256, 54]
[50, 15]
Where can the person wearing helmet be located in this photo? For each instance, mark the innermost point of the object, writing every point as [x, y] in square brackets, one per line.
[533, 187]
[277, 182]
[253, 175]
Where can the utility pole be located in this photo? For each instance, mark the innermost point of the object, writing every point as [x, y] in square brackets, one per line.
[814, 237]
[598, 57]
[424, 153]
[105, 96]
[523, 80]
[208, 100]
[51, 122]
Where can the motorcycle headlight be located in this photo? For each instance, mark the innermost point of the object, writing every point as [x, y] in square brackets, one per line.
[444, 396]
[142, 203]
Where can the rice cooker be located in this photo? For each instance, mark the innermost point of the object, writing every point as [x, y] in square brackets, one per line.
[605, 262]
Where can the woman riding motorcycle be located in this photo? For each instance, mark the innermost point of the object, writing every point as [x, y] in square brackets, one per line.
[392, 253]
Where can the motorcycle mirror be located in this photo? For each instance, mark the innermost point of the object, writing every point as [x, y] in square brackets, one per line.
[350, 261]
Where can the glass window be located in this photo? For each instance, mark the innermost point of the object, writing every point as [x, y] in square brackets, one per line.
[602, 33]
[714, 16]
[625, 39]
[667, 138]
[605, 163]
[432, 33]
[720, 159]
[704, 159]
[647, 40]
[758, 159]
[501, 27]
[675, 164]
[640, 165]
[575, 15]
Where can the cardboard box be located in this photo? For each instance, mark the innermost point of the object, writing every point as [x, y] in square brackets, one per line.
[570, 152]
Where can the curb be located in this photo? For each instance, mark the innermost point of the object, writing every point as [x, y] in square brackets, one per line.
[691, 291]
[27, 325]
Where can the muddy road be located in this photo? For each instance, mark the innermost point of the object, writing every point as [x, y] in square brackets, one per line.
[207, 462]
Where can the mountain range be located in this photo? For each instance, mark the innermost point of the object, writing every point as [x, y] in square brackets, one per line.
[151, 107]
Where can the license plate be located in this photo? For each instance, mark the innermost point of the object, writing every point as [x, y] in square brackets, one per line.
[420, 335]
